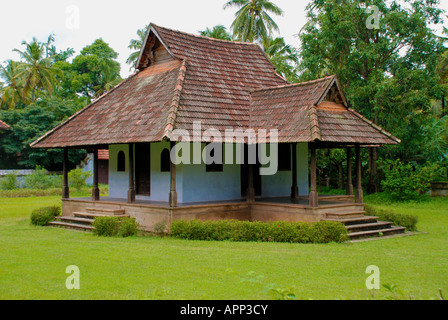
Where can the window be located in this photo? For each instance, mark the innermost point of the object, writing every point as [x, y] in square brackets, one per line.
[121, 162]
[165, 161]
[214, 163]
[284, 157]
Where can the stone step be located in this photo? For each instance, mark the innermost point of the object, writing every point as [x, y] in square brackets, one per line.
[74, 226]
[376, 233]
[369, 226]
[345, 214]
[92, 216]
[103, 211]
[354, 221]
[79, 220]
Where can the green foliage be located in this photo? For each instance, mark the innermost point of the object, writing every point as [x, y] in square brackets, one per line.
[28, 124]
[112, 226]
[9, 182]
[246, 231]
[389, 73]
[77, 178]
[406, 181]
[41, 180]
[400, 220]
[217, 32]
[95, 70]
[253, 20]
[42, 216]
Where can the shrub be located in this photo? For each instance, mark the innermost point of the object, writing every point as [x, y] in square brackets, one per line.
[112, 226]
[9, 182]
[38, 180]
[245, 231]
[77, 178]
[405, 181]
[42, 216]
[400, 220]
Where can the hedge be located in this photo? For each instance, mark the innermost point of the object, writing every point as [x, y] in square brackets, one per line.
[399, 220]
[245, 231]
[42, 216]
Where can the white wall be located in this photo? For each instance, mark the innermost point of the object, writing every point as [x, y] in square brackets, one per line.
[194, 184]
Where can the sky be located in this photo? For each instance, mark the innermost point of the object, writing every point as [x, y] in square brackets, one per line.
[77, 23]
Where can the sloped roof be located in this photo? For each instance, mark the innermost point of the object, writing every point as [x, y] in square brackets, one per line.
[222, 84]
[301, 114]
[219, 78]
[4, 126]
[135, 111]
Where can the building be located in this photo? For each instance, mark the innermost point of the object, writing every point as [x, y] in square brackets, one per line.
[197, 88]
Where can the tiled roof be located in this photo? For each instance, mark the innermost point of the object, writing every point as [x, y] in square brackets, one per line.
[300, 114]
[137, 110]
[222, 84]
[219, 78]
[4, 126]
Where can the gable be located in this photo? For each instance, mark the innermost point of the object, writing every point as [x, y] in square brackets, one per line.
[153, 52]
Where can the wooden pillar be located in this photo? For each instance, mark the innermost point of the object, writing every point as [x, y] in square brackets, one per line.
[294, 187]
[349, 187]
[95, 189]
[359, 192]
[250, 194]
[65, 188]
[314, 197]
[173, 192]
[131, 191]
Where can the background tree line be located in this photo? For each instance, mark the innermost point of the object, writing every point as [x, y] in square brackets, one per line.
[395, 75]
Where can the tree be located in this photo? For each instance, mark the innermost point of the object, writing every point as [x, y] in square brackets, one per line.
[389, 73]
[253, 21]
[137, 44]
[35, 69]
[284, 57]
[217, 32]
[95, 70]
[11, 91]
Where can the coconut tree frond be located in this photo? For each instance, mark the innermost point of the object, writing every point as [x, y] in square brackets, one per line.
[253, 21]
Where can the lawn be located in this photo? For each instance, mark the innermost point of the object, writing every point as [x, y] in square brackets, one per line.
[33, 261]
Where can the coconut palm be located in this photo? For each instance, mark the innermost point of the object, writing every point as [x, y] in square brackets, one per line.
[218, 32]
[11, 90]
[35, 69]
[253, 21]
[136, 44]
[284, 57]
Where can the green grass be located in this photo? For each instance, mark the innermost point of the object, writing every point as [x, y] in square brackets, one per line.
[33, 261]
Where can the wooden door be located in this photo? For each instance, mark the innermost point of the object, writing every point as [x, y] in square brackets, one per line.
[143, 169]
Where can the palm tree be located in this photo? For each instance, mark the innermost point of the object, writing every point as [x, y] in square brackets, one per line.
[11, 91]
[252, 21]
[284, 57]
[36, 69]
[136, 44]
[218, 32]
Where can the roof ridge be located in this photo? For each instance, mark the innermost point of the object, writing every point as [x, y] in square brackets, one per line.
[82, 110]
[289, 85]
[205, 37]
[315, 129]
[6, 126]
[174, 106]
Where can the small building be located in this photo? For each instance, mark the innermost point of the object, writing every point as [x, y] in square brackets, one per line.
[188, 92]
[103, 166]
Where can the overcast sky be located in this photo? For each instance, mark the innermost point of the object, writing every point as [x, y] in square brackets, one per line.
[117, 21]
